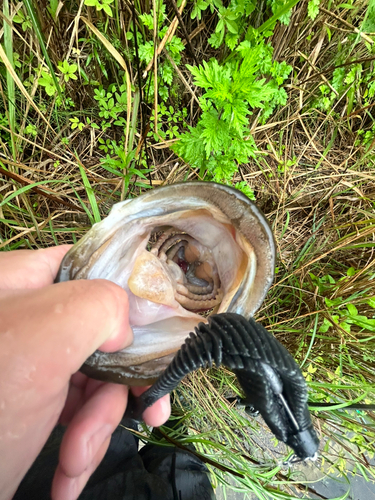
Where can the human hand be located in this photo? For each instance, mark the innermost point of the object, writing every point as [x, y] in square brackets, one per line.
[47, 331]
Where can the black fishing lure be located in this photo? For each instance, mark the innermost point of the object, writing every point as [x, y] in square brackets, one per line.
[271, 379]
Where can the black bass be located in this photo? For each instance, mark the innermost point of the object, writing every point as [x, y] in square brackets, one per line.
[180, 252]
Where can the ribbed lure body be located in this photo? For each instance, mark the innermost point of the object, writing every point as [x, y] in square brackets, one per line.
[268, 374]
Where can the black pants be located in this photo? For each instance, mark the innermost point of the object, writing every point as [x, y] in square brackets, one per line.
[155, 473]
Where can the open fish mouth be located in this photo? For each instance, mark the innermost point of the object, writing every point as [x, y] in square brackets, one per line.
[181, 252]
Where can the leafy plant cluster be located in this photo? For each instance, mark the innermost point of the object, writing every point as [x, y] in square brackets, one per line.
[352, 84]
[233, 24]
[170, 121]
[349, 320]
[146, 50]
[247, 81]
[221, 140]
[342, 311]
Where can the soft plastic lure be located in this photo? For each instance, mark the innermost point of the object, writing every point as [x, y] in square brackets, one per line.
[271, 379]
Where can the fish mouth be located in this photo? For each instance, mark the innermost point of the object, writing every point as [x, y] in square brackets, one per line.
[181, 252]
[191, 266]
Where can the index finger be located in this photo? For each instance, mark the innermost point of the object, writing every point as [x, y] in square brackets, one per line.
[25, 269]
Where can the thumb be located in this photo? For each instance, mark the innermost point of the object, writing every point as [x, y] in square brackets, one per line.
[54, 329]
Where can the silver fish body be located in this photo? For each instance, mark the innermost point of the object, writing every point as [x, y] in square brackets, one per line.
[177, 250]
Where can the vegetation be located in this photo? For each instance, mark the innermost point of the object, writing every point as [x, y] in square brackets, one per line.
[103, 100]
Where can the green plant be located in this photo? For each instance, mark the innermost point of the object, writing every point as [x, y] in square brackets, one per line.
[53, 7]
[146, 50]
[31, 130]
[68, 70]
[22, 19]
[101, 5]
[233, 18]
[112, 104]
[342, 311]
[199, 7]
[277, 6]
[93, 52]
[122, 165]
[313, 8]
[169, 122]
[232, 22]
[48, 83]
[221, 140]
[76, 123]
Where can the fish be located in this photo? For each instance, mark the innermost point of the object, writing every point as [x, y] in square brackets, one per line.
[181, 252]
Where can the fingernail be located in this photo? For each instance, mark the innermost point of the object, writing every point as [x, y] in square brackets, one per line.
[165, 407]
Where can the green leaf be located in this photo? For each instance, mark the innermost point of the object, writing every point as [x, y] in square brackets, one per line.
[313, 8]
[270, 22]
[334, 302]
[19, 17]
[199, 6]
[351, 271]
[245, 189]
[353, 311]
[216, 39]
[219, 26]
[215, 132]
[325, 326]
[107, 9]
[369, 20]
[232, 26]
[24, 190]
[53, 5]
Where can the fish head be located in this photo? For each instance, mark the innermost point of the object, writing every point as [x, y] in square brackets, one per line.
[181, 252]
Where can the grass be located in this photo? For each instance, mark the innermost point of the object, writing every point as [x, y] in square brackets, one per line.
[313, 176]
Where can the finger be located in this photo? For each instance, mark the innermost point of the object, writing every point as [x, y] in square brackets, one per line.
[91, 427]
[157, 414]
[69, 488]
[86, 314]
[74, 402]
[80, 389]
[22, 269]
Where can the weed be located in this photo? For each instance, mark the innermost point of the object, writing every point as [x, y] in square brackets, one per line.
[68, 70]
[101, 5]
[23, 19]
[221, 140]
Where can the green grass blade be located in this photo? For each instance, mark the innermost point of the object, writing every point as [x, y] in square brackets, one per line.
[36, 25]
[272, 20]
[312, 340]
[24, 190]
[90, 195]
[8, 45]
